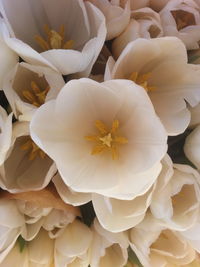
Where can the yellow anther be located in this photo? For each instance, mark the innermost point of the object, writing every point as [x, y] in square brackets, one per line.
[107, 140]
[35, 95]
[54, 39]
[33, 149]
[142, 80]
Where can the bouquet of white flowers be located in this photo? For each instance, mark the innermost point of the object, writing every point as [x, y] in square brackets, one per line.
[99, 133]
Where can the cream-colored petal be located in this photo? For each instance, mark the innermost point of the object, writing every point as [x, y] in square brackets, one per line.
[74, 240]
[68, 195]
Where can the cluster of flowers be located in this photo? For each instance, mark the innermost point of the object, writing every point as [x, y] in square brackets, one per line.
[99, 133]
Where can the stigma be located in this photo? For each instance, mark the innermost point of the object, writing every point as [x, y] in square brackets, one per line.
[107, 140]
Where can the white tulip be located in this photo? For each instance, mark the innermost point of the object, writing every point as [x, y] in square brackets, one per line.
[104, 137]
[66, 37]
[160, 66]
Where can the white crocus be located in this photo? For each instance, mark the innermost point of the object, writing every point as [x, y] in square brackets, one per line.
[104, 137]
[108, 249]
[160, 66]
[71, 248]
[157, 246]
[181, 18]
[27, 87]
[26, 166]
[144, 23]
[66, 37]
[117, 15]
[5, 134]
[192, 147]
[8, 58]
[176, 202]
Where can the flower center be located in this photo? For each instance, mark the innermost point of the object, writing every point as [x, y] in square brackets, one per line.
[107, 140]
[142, 80]
[54, 39]
[34, 149]
[35, 96]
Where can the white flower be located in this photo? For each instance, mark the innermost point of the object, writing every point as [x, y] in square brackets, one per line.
[66, 37]
[176, 199]
[114, 215]
[156, 246]
[108, 249]
[5, 133]
[71, 248]
[144, 23]
[37, 253]
[192, 147]
[29, 213]
[11, 225]
[160, 66]
[27, 87]
[117, 15]
[104, 137]
[8, 58]
[26, 166]
[181, 18]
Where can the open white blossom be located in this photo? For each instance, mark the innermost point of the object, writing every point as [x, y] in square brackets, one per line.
[26, 167]
[181, 18]
[144, 23]
[8, 58]
[176, 199]
[104, 137]
[192, 147]
[66, 37]
[108, 249]
[160, 66]
[28, 87]
[5, 133]
[117, 15]
[157, 246]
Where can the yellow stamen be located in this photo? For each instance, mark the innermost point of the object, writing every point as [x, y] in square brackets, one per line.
[142, 80]
[54, 39]
[34, 149]
[35, 96]
[107, 140]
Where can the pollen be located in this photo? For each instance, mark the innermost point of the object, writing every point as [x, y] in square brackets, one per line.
[33, 149]
[54, 39]
[35, 96]
[107, 140]
[142, 80]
